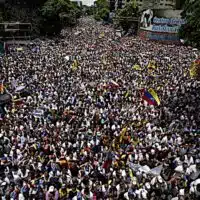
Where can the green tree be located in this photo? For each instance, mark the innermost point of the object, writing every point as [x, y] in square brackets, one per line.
[88, 10]
[56, 14]
[100, 4]
[101, 10]
[190, 31]
[125, 15]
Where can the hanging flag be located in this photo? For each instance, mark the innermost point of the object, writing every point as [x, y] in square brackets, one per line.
[151, 97]
[137, 67]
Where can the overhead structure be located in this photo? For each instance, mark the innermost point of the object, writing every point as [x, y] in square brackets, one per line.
[15, 31]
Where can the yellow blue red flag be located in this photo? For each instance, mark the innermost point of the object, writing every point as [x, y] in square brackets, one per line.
[151, 97]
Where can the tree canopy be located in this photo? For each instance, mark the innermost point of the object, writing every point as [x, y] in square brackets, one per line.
[101, 10]
[48, 17]
[56, 14]
[123, 15]
[191, 30]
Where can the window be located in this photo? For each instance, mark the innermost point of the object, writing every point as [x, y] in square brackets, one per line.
[15, 30]
[1, 26]
[25, 27]
[11, 26]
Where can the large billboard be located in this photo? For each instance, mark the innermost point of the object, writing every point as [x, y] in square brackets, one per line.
[160, 29]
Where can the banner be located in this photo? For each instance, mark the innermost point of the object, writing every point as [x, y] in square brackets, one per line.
[170, 21]
[156, 170]
[160, 29]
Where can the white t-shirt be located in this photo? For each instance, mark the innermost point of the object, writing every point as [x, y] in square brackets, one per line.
[193, 187]
[193, 172]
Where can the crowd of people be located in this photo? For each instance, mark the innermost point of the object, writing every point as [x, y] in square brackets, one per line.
[77, 126]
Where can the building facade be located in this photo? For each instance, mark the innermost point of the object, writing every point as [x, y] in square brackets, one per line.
[145, 4]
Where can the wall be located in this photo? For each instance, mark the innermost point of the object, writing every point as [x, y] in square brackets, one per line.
[168, 13]
[156, 4]
[160, 37]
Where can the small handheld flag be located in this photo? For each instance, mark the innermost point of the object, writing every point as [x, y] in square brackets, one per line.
[194, 69]
[137, 67]
[75, 65]
[122, 133]
[151, 65]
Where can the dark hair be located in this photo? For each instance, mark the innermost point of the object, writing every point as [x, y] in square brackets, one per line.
[198, 187]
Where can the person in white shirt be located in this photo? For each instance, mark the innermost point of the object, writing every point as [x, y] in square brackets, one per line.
[194, 171]
[195, 188]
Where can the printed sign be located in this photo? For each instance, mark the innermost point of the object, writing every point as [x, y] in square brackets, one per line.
[169, 21]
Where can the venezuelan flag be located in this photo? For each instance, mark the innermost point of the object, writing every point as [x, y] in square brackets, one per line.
[151, 97]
